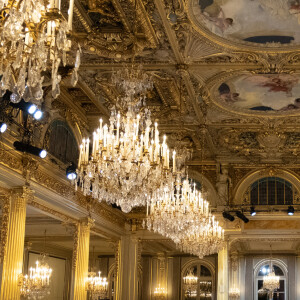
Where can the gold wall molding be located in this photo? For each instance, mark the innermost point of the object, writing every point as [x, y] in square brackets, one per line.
[44, 178]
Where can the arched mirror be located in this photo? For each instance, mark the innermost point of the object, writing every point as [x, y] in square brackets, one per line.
[264, 268]
[201, 284]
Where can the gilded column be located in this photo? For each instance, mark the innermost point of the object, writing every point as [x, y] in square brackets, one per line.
[127, 262]
[12, 240]
[80, 263]
[223, 274]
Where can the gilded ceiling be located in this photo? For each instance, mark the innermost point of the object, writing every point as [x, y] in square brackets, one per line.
[232, 85]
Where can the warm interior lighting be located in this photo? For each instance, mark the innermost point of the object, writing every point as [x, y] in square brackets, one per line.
[96, 285]
[36, 283]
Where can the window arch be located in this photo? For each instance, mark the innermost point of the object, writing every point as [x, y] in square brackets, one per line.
[205, 287]
[61, 142]
[271, 191]
[262, 269]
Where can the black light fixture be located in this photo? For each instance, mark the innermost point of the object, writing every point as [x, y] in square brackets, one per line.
[29, 108]
[71, 172]
[241, 216]
[252, 211]
[228, 216]
[291, 210]
[23, 147]
[3, 127]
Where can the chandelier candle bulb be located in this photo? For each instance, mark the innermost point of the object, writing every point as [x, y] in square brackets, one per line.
[174, 161]
[70, 17]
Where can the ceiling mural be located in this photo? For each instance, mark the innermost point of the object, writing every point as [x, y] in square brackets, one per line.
[268, 93]
[242, 20]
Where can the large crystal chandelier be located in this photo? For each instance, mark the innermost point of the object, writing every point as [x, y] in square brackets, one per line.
[160, 293]
[190, 282]
[271, 282]
[128, 160]
[34, 38]
[96, 286]
[234, 293]
[36, 285]
[177, 211]
[175, 207]
[202, 241]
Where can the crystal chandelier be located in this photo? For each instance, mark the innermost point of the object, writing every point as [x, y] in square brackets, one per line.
[160, 293]
[190, 282]
[234, 293]
[96, 286]
[271, 282]
[34, 38]
[178, 211]
[36, 285]
[127, 162]
[202, 241]
[134, 82]
[175, 207]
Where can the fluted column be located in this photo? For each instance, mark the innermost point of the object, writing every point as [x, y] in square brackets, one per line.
[12, 240]
[80, 259]
[127, 262]
[223, 274]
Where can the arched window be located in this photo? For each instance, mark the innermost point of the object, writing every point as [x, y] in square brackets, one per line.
[271, 191]
[263, 269]
[61, 143]
[205, 286]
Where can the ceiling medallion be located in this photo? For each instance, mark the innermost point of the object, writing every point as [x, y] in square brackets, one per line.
[34, 38]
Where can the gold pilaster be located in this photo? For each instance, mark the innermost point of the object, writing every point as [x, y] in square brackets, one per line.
[127, 263]
[80, 259]
[12, 240]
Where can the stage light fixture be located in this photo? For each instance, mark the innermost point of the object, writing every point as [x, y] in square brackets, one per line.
[241, 216]
[3, 127]
[71, 172]
[228, 216]
[29, 108]
[38, 114]
[290, 210]
[23, 147]
[252, 211]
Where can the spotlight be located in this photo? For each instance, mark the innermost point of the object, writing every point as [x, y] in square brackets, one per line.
[3, 127]
[19, 146]
[228, 216]
[290, 210]
[31, 108]
[252, 211]
[71, 172]
[28, 107]
[38, 114]
[241, 216]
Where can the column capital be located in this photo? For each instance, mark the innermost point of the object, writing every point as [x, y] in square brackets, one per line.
[87, 222]
[21, 194]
